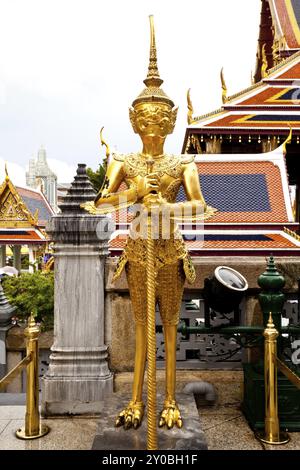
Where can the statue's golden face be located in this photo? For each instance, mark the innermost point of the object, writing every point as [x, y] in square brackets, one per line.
[153, 119]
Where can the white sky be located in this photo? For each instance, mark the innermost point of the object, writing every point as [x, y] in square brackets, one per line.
[68, 67]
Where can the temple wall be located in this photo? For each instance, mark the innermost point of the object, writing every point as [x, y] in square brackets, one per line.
[118, 316]
[119, 324]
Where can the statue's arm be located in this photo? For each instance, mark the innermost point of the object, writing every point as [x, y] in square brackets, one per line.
[109, 199]
[195, 203]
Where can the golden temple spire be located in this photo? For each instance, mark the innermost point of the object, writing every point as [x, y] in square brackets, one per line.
[190, 113]
[153, 92]
[224, 87]
[264, 65]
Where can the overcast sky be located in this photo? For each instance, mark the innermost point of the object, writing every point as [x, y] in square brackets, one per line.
[68, 67]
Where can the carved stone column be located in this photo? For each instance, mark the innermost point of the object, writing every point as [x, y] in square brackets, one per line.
[17, 257]
[78, 377]
[2, 256]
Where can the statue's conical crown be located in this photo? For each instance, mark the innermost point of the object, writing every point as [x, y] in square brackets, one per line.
[153, 92]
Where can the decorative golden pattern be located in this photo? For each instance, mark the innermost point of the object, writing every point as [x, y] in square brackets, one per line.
[264, 65]
[13, 211]
[135, 165]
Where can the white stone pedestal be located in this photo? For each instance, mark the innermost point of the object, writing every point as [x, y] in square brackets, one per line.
[78, 377]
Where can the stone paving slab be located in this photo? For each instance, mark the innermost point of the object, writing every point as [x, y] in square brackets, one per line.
[65, 434]
[12, 399]
[190, 437]
[12, 412]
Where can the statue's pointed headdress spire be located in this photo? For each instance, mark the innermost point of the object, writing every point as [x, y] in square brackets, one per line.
[153, 78]
[153, 92]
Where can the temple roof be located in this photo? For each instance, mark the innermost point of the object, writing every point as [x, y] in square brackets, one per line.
[273, 103]
[36, 201]
[235, 243]
[254, 209]
[279, 34]
[21, 236]
[286, 21]
[243, 192]
[245, 189]
[23, 213]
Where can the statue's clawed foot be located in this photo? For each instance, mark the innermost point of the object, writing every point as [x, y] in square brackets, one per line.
[131, 416]
[170, 415]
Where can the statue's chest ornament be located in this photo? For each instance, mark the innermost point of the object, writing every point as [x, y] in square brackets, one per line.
[135, 165]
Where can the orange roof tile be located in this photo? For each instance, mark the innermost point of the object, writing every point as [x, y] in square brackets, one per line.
[244, 121]
[274, 96]
[266, 241]
[21, 236]
[274, 210]
[274, 187]
[291, 73]
[288, 18]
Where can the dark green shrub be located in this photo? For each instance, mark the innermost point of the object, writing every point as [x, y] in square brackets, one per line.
[32, 293]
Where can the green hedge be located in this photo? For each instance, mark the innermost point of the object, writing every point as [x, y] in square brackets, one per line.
[32, 293]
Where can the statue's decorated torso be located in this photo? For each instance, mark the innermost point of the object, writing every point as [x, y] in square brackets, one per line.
[169, 169]
[168, 249]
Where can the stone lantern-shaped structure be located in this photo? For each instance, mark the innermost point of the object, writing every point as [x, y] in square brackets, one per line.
[78, 377]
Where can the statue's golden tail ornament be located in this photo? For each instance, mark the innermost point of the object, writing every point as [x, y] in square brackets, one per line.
[107, 153]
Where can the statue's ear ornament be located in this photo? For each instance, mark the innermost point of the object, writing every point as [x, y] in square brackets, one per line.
[174, 115]
[132, 115]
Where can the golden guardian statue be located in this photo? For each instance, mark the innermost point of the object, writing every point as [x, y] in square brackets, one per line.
[155, 258]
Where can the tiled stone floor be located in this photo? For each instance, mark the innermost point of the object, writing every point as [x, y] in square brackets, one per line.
[223, 423]
[225, 426]
[65, 434]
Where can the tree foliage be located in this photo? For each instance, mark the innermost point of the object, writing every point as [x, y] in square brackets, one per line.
[32, 293]
[96, 177]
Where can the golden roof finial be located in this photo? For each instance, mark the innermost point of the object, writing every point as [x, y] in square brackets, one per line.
[6, 172]
[224, 87]
[190, 113]
[288, 140]
[153, 92]
[264, 65]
